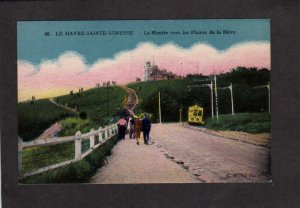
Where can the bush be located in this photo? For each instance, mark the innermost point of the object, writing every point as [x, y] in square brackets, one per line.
[71, 125]
[83, 115]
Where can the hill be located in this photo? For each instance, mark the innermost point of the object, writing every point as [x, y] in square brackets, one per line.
[33, 119]
[175, 94]
[94, 103]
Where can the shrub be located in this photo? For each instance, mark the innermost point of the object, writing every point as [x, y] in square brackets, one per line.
[71, 125]
[83, 115]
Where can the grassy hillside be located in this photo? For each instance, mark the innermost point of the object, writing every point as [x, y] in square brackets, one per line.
[33, 119]
[246, 122]
[172, 97]
[93, 103]
[175, 94]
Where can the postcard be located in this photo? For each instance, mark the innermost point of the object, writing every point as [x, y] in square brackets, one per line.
[144, 101]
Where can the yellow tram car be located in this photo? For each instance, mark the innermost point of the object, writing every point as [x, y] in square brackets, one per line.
[195, 115]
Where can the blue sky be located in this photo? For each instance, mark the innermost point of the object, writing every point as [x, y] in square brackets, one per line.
[35, 47]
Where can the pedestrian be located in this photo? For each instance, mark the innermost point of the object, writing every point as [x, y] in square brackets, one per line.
[131, 128]
[122, 128]
[138, 129]
[146, 127]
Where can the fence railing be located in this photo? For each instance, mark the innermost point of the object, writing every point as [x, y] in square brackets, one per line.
[39, 156]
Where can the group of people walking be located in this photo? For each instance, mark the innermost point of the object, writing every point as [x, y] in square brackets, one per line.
[135, 127]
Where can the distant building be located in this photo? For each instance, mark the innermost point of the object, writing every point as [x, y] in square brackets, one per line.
[153, 72]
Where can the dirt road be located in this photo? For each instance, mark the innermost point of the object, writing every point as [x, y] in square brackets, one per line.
[131, 101]
[212, 158]
[132, 163]
[183, 155]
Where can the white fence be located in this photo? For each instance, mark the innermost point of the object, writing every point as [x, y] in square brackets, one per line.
[102, 134]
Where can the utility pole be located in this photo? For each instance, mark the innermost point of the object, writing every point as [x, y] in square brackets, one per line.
[159, 107]
[268, 86]
[107, 99]
[216, 93]
[211, 94]
[153, 61]
[231, 93]
[131, 67]
[180, 110]
[231, 96]
[212, 98]
[232, 108]
[269, 94]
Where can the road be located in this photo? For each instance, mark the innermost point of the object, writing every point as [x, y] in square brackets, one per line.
[132, 164]
[131, 101]
[182, 155]
[212, 158]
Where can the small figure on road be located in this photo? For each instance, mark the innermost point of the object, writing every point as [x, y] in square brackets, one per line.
[122, 127]
[138, 129]
[131, 128]
[146, 127]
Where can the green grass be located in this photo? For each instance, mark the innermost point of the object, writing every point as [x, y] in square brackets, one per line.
[143, 89]
[246, 122]
[174, 95]
[93, 103]
[39, 157]
[78, 172]
[71, 125]
[33, 119]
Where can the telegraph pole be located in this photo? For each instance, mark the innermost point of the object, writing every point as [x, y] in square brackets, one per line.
[216, 93]
[180, 110]
[212, 98]
[232, 108]
[268, 86]
[107, 99]
[211, 94]
[131, 67]
[159, 107]
[231, 96]
[269, 94]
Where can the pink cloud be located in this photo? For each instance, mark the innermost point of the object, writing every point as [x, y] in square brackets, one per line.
[69, 71]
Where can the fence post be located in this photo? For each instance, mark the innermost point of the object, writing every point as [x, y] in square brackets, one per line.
[20, 155]
[110, 130]
[116, 128]
[100, 134]
[106, 133]
[78, 145]
[92, 138]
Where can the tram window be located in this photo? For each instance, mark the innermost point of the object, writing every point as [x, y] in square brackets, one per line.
[200, 113]
[195, 113]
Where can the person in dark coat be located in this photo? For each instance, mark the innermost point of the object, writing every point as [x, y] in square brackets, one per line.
[122, 127]
[146, 127]
[131, 128]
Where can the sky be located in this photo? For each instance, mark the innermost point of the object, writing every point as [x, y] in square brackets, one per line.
[52, 60]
